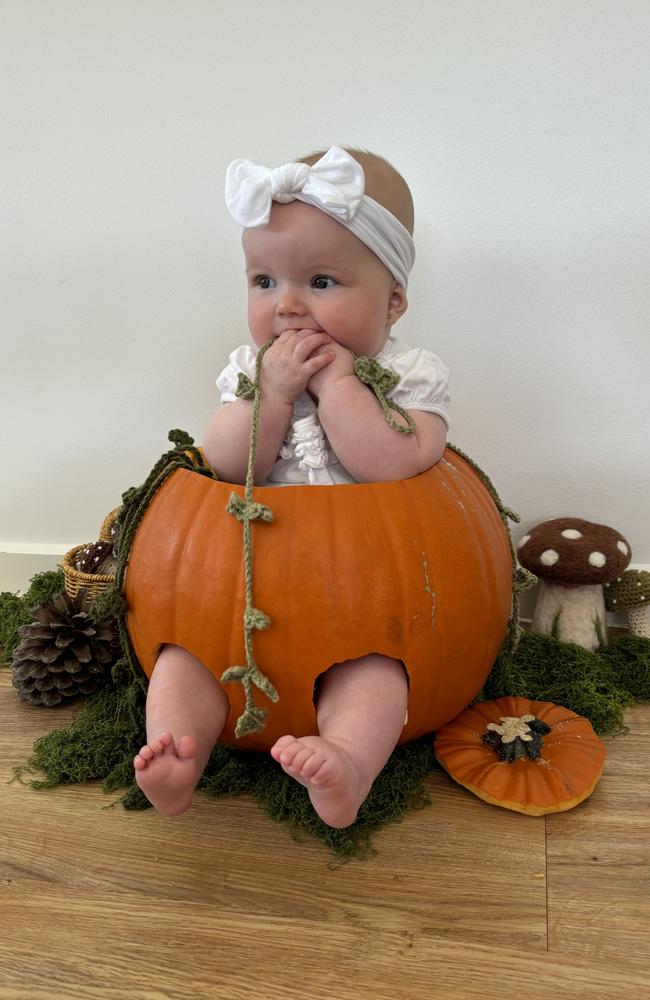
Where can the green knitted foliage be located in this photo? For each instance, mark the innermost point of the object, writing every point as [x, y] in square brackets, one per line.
[15, 609]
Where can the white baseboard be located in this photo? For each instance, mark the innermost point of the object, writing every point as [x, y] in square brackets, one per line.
[34, 548]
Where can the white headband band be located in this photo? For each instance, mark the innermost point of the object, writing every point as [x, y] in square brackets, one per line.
[335, 185]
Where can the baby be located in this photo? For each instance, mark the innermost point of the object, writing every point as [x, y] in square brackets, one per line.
[328, 247]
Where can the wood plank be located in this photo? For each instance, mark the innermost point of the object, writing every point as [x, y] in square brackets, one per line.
[64, 947]
[599, 859]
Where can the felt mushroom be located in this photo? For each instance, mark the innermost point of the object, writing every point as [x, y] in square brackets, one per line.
[631, 592]
[97, 558]
[573, 559]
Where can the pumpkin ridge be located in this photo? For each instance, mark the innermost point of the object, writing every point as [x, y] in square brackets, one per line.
[559, 781]
[472, 524]
[583, 770]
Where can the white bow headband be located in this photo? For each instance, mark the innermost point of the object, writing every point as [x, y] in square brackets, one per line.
[335, 185]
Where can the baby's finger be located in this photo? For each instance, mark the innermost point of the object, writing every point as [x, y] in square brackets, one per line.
[287, 336]
[318, 361]
[310, 342]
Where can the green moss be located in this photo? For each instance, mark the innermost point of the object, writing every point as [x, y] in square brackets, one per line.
[597, 685]
[629, 659]
[104, 735]
[110, 728]
[397, 788]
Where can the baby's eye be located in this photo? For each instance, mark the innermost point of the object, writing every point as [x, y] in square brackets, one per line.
[322, 281]
[263, 281]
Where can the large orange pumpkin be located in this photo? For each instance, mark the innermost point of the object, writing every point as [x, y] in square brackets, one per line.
[418, 569]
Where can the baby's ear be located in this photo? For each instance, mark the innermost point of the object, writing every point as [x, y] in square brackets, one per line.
[397, 303]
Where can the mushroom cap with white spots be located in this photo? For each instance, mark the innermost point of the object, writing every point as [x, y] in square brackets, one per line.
[629, 590]
[572, 551]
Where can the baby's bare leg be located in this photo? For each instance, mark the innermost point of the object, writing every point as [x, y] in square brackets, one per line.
[186, 712]
[360, 713]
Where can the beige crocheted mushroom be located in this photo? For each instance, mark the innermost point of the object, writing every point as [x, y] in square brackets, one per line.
[573, 559]
[631, 592]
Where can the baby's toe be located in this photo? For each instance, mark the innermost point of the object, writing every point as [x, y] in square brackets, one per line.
[147, 753]
[158, 746]
[167, 741]
[313, 765]
[281, 745]
[290, 754]
[299, 759]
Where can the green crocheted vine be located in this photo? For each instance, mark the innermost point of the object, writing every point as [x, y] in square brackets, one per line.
[253, 718]
[382, 380]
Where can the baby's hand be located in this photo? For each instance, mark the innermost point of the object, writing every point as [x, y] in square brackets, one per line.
[341, 366]
[293, 359]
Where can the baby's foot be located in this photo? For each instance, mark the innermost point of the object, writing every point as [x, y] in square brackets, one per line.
[166, 774]
[335, 786]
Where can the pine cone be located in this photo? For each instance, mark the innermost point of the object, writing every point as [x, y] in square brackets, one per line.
[63, 652]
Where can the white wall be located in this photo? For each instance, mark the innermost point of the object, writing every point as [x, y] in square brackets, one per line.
[523, 130]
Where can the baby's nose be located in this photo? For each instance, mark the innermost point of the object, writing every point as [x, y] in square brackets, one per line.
[290, 303]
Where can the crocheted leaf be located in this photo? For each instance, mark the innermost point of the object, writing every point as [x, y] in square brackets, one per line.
[233, 674]
[252, 721]
[245, 388]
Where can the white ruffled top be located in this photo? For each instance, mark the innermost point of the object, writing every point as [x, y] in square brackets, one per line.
[306, 456]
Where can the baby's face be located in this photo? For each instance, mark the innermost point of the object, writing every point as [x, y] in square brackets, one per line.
[306, 271]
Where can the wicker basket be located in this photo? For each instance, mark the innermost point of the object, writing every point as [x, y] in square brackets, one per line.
[93, 583]
[105, 532]
[75, 580]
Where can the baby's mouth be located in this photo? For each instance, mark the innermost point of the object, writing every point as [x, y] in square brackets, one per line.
[312, 329]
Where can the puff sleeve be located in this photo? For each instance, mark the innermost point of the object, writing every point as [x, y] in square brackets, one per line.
[423, 381]
[241, 360]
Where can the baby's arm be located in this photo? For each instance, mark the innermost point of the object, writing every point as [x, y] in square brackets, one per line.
[226, 440]
[287, 367]
[365, 443]
[363, 440]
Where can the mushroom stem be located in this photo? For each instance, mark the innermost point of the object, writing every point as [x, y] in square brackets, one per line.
[639, 620]
[572, 614]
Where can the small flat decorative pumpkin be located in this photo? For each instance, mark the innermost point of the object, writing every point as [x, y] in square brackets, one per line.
[530, 756]
[417, 569]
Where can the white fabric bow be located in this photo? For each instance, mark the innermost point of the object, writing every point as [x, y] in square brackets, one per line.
[335, 184]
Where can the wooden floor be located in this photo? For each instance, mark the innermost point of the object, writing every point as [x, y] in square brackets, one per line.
[463, 900]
